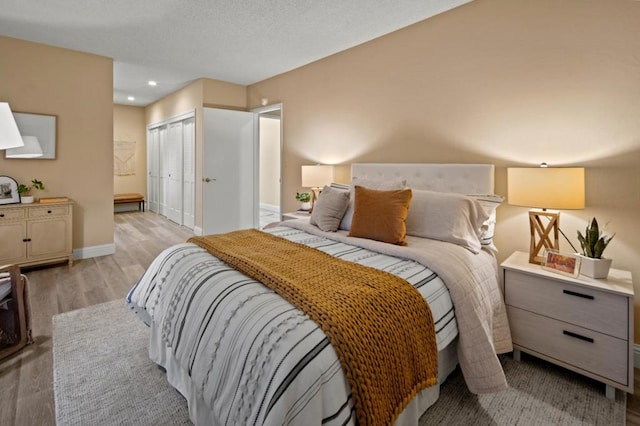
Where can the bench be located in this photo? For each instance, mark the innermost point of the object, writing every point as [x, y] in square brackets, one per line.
[129, 198]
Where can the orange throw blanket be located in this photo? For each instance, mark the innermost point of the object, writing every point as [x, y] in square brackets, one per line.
[379, 325]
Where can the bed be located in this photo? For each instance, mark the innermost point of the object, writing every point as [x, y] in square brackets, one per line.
[241, 354]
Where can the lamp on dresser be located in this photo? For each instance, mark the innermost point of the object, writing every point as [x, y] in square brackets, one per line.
[543, 188]
[315, 177]
[9, 133]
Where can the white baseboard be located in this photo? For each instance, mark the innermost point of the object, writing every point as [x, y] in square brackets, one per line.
[270, 207]
[197, 230]
[636, 356]
[94, 251]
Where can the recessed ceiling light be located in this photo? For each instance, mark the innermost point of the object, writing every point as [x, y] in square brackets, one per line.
[131, 98]
[152, 83]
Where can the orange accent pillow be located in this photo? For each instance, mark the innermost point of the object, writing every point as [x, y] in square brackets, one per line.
[381, 215]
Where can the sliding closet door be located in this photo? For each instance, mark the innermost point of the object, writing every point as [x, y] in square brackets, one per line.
[152, 170]
[163, 171]
[174, 172]
[188, 173]
[229, 180]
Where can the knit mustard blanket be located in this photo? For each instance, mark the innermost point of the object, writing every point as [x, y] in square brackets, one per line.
[379, 325]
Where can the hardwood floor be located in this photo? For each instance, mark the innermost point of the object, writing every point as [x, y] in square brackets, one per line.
[26, 379]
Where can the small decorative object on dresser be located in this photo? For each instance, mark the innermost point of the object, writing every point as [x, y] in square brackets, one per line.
[9, 190]
[582, 324]
[25, 191]
[593, 244]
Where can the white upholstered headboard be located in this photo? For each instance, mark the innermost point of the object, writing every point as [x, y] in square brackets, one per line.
[457, 178]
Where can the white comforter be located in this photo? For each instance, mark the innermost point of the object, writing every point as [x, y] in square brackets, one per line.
[472, 280]
[261, 361]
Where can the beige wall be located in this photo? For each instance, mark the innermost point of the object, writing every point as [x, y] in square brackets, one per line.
[512, 83]
[194, 97]
[270, 160]
[78, 89]
[129, 125]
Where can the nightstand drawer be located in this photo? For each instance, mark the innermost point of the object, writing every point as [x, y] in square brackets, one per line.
[590, 308]
[9, 214]
[597, 353]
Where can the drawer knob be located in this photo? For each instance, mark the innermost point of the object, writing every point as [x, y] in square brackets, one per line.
[574, 293]
[48, 211]
[577, 336]
[1, 214]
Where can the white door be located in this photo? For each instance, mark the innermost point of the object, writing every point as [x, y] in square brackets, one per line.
[188, 173]
[229, 178]
[152, 172]
[174, 172]
[163, 171]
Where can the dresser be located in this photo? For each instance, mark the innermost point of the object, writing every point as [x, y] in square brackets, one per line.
[583, 324]
[35, 234]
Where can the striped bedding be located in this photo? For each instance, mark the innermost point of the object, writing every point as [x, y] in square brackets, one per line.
[241, 354]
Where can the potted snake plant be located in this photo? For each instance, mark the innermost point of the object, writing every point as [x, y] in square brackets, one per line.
[593, 243]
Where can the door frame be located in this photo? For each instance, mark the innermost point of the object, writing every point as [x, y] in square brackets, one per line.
[259, 111]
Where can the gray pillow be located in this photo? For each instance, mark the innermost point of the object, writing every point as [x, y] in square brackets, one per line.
[329, 209]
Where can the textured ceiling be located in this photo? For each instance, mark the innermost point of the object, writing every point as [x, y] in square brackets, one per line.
[177, 41]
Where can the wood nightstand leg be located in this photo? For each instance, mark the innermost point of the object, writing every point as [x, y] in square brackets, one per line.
[610, 392]
[516, 355]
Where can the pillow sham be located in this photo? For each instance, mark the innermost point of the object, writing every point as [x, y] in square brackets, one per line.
[329, 209]
[490, 202]
[454, 218]
[381, 215]
[384, 185]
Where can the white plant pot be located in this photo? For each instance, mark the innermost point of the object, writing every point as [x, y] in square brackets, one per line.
[595, 268]
[305, 206]
[26, 199]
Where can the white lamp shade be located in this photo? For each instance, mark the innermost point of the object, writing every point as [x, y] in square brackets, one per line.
[559, 188]
[31, 149]
[316, 176]
[9, 133]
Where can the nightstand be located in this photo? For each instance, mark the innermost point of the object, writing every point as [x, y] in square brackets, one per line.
[582, 324]
[299, 214]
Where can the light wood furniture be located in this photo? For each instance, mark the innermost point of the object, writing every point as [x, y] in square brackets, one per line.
[15, 317]
[583, 324]
[129, 198]
[34, 234]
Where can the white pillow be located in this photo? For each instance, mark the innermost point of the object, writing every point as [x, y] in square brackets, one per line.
[454, 218]
[381, 185]
[329, 209]
[490, 202]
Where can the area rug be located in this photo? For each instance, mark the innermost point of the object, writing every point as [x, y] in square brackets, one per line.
[103, 376]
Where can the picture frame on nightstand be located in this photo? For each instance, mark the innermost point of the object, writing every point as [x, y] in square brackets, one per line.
[561, 263]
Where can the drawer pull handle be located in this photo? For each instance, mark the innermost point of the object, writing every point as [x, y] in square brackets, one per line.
[577, 336]
[573, 293]
[26, 240]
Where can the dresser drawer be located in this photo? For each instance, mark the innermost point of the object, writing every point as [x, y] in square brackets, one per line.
[588, 307]
[10, 214]
[49, 211]
[595, 352]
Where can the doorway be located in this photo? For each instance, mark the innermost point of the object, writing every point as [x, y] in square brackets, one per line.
[270, 170]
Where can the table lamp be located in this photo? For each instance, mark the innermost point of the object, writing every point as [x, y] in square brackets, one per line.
[315, 177]
[560, 188]
[9, 133]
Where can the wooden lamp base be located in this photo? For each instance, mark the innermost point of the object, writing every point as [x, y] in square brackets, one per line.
[542, 234]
